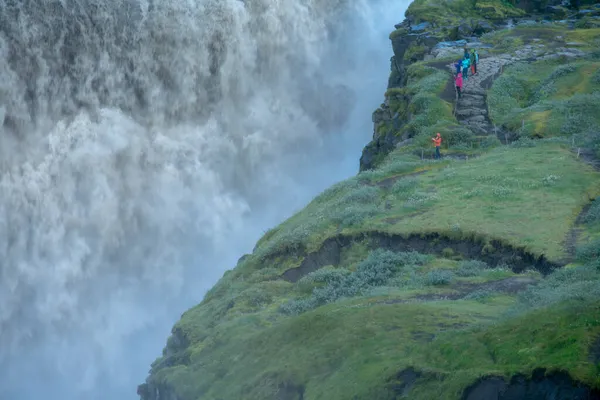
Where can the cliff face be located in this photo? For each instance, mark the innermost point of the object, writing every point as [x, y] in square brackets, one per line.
[476, 276]
[427, 31]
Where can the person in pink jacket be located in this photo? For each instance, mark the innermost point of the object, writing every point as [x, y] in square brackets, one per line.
[458, 81]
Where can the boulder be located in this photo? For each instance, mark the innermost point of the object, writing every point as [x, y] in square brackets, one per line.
[381, 115]
[464, 30]
[481, 27]
[556, 12]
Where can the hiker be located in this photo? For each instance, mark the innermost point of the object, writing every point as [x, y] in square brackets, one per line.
[466, 52]
[458, 82]
[458, 66]
[437, 142]
[465, 68]
[474, 62]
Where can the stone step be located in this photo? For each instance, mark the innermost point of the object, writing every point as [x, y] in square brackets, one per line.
[473, 90]
[471, 103]
[476, 118]
[475, 124]
[472, 96]
[471, 111]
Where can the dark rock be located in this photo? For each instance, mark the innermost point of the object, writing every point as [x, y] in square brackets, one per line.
[462, 31]
[595, 351]
[381, 115]
[482, 27]
[400, 43]
[541, 386]
[556, 12]
[290, 391]
[428, 41]
[407, 379]
[376, 149]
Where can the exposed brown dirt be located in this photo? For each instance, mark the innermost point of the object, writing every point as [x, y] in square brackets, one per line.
[461, 289]
[432, 243]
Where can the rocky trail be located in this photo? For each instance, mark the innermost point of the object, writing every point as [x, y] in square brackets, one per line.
[471, 108]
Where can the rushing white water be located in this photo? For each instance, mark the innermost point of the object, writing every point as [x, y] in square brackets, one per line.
[144, 146]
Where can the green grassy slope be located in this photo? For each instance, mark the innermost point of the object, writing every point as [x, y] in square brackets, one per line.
[551, 97]
[363, 309]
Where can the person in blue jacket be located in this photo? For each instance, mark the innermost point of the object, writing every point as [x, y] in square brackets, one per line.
[458, 66]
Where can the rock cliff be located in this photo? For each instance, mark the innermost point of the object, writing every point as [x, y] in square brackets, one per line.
[425, 37]
[476, 276]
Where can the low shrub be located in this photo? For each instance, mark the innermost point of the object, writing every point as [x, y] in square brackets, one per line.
[376, 270]
[578, 283]
[352, 214]
[592, 216]
[439, 277]
[471, 268]
[361, 194]
[589, 252]
[404, 186]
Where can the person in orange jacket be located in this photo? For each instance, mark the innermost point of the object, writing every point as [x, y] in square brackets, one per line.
[437, 142]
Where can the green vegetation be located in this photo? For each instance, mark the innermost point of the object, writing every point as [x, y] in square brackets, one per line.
[429, 113]
[546, 99]
[550, 98]
[255, 332]
[365, 305]
[503, 187]
[447, 14]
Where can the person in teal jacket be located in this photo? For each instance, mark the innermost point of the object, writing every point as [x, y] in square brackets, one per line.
[465, 68]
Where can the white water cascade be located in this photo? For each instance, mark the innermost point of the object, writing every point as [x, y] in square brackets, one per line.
[145, 145]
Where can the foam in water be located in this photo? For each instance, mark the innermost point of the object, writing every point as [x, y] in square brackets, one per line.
[144, 146]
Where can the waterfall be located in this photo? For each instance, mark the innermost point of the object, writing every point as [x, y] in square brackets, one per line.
[144, 146]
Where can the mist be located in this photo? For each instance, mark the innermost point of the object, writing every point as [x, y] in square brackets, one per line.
[144, 147]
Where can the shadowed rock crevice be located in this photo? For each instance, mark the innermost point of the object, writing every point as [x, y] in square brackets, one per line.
[493, 252]
[595, 351]
[402, 383]
[541, 386]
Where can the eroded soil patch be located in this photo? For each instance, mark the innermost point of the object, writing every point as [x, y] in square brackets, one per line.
[462, 289]
[493, 252]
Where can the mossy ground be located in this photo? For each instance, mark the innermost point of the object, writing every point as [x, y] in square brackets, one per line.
[451, 13]
[528, 197]
[550, 98]
[346, 331]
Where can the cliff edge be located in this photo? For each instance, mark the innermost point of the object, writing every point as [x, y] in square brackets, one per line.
[474, 276]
